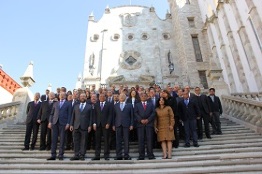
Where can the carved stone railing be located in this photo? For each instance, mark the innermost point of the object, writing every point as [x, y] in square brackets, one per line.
[245, 111]
[252, 95]
[9, 112]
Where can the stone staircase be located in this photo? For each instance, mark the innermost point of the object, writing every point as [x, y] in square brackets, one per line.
[238, 150]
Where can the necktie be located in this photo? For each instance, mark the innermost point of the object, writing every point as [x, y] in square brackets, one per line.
[186, 102]
[153, 101]
[82, 107]
[121, 106]
[102, 105]
[61, 104]
[144, 105]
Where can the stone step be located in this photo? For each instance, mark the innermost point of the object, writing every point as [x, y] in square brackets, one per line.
[210, 166]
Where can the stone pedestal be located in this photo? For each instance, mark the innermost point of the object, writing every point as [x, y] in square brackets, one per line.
[217, 82]
[24, 95]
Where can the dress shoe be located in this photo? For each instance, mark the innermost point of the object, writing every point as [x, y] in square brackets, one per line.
[42, 148]
[82, 158]
[127, 158]
[95, 158]
[151, 158]
[74, 158]
[26, 148]
[164, 157]
[106, 158]
[61, 158]
[196, 145]
[51, 158]
[68, 148]
[219, 133]
[32, 148]
[140, 158]
[187, 145]
[48, 148]
[209, 137]
[118, 158]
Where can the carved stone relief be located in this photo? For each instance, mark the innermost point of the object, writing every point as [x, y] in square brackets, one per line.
[130, 60]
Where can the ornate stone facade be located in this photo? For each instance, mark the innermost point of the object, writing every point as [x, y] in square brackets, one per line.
[202, 43]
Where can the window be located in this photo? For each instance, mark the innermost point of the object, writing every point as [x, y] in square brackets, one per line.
[166, 36]
[130, 60]
[191, 21]
[130, 37]
[203, 79]
[197, 48]
[144, 36]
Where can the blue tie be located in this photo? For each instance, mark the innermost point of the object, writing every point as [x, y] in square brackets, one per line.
[82, 107]
[186, 102]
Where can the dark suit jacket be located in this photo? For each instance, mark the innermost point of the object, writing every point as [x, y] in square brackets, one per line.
[203, 103]
[151, 101]
[63, 114]
[149, 114]
[82, 119]
[32, 111]
[216, 105]
[45, 111]
[125, 117]
[189, 112]
[171, 101]
[129, 100]
[103, 117]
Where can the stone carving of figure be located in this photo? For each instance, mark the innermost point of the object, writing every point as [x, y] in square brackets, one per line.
[91, 63]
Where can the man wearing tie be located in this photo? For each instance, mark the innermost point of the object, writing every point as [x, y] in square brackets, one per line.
[123, 120]
[145, 116]
[101, 124]
[80, 124]
[69, 134]
[59, 121]
[31, 122]
[189, 112]
[43, 119]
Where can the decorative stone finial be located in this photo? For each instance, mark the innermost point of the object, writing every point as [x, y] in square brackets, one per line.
[91, 17]
[49, 87]
[27, 79]
[168, 15]
[107, 10]
[152, 9]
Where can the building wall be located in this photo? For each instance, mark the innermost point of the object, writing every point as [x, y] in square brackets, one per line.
[105, 56]
[235, 35]
[6, 96]
[182, 12]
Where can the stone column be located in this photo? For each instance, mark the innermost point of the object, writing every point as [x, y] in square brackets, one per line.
[249, 53]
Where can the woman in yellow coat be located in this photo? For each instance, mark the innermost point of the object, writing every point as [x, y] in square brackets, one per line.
[164, 127]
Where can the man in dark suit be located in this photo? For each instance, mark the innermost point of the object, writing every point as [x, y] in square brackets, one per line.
[91, 141]
[69, 135]
[45, 96]
[216, 111]
[204, 107]
[59, 121]
[101, 124]
[123, 122]
[145, 117]
[153, 98]
[31, 122]
[188, 112]
[81, 123]
[43, 119]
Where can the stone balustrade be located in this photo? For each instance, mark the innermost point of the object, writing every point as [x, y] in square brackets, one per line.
[9, 110]
[243, 110]
[252, 95]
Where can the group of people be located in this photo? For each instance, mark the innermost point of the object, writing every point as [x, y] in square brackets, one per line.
[152, 116]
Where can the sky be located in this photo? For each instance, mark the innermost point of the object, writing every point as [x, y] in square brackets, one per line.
[52, 34]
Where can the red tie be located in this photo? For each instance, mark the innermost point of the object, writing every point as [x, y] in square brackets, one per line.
[144, 105]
